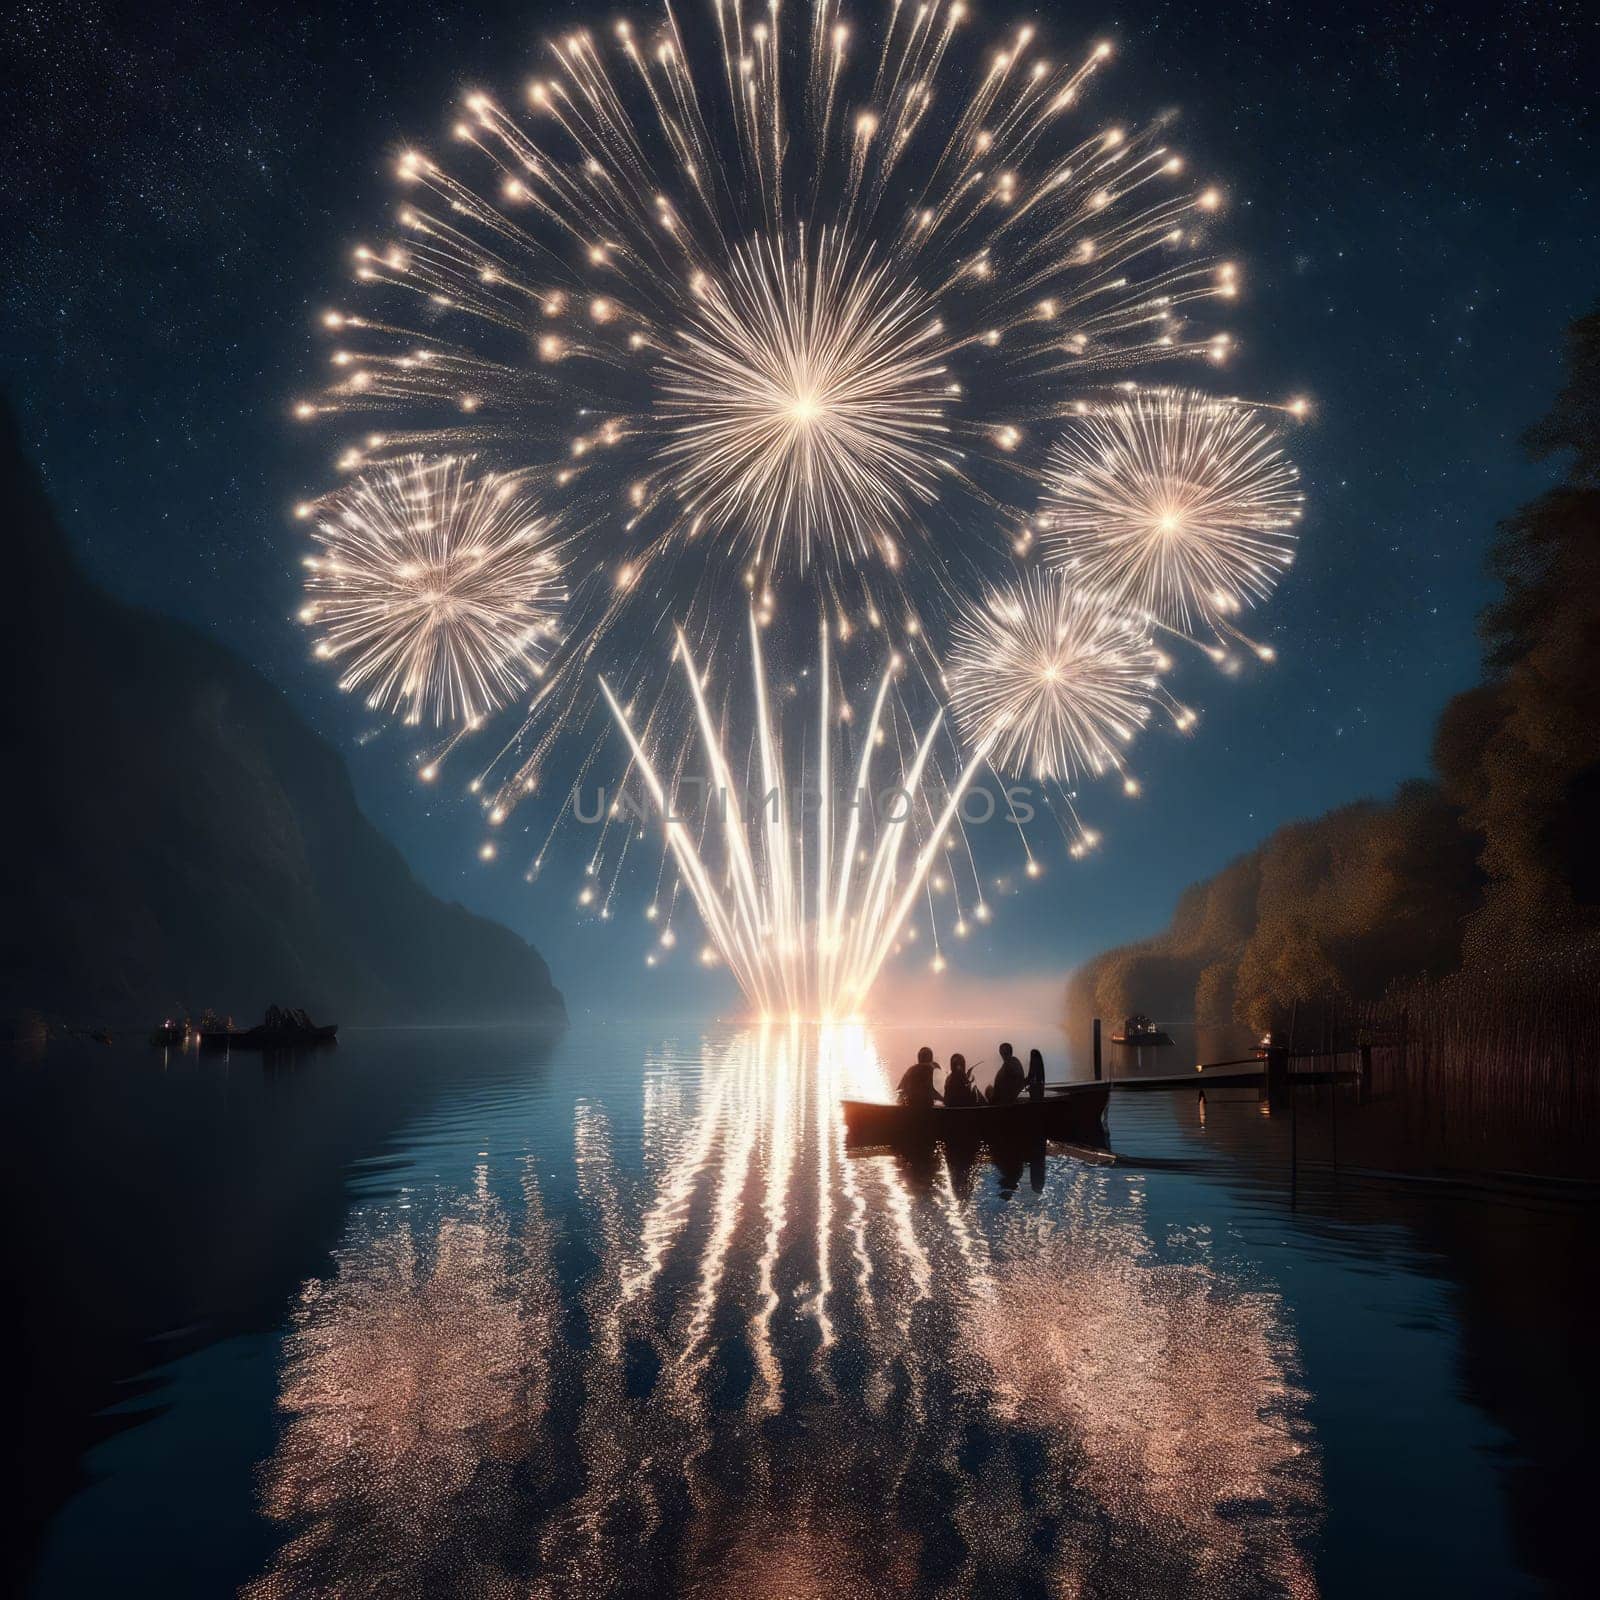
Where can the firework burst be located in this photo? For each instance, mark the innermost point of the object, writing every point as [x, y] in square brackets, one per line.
[1178, 505]
[1055, 682]
[777, 327]
[771, 308]
[435, 592]
[806, 399]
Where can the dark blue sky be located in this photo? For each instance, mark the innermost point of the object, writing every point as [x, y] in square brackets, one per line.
[1411, 198]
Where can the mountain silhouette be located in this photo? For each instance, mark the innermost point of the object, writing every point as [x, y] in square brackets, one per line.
[175, 834]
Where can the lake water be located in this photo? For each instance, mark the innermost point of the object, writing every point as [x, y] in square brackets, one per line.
[614, 1311]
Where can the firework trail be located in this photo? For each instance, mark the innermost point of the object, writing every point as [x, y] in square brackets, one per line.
[1176, 504]
[436, 593]
[804, 942]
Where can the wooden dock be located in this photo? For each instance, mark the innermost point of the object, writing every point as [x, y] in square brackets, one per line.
[1274, 1073]
[1233, 1078]
[1270, 1074]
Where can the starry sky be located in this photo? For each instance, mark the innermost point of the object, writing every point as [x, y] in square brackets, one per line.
[1410, 196]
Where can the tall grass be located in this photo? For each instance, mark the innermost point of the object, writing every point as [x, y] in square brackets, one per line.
[1504, 1059]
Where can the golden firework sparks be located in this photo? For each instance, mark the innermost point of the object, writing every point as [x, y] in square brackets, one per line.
[793, 319]
[434, 591]
[1179, 505]
[1055, 681]
[807, 400]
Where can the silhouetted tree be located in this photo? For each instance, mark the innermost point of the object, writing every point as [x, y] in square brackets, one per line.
[1521, 753]
[1497, 864]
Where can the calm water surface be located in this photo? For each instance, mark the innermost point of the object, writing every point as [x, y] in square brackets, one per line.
[613, 1311]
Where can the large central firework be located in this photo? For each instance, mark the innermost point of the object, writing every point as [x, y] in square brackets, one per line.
[762, 290]
[779, 311]
[807, 403]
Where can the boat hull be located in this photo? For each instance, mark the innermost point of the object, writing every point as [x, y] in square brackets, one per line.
[1076, 1114]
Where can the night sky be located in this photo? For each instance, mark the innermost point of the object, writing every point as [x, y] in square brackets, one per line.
[1411, 199]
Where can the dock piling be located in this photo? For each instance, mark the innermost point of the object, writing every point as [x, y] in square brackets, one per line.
[1277, 1075]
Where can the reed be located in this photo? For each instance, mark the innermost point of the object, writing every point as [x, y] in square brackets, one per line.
[1507, 1056]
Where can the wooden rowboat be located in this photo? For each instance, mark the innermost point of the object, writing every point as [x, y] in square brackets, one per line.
[1074, 1112]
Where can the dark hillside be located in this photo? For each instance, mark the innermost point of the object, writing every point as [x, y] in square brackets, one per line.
[175, 834]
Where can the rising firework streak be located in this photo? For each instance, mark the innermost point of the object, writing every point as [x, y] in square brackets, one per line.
[804, 910]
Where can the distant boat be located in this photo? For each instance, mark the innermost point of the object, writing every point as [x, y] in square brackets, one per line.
[1138, 1030]
[1074, 1112]
[283, 1030]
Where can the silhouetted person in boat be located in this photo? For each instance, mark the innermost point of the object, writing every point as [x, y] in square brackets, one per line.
[959, 1089]
[1035, 1075]
[916, 1085]
[1008, 1081]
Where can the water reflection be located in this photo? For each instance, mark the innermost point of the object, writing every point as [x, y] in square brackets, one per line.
[415, 1383]
[766, 1365]
[1166, 1395]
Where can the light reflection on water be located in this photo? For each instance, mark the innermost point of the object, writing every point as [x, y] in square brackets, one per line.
[751, 1361]
[610, 1312]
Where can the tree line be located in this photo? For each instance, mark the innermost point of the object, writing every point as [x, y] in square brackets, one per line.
[1491, 865]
